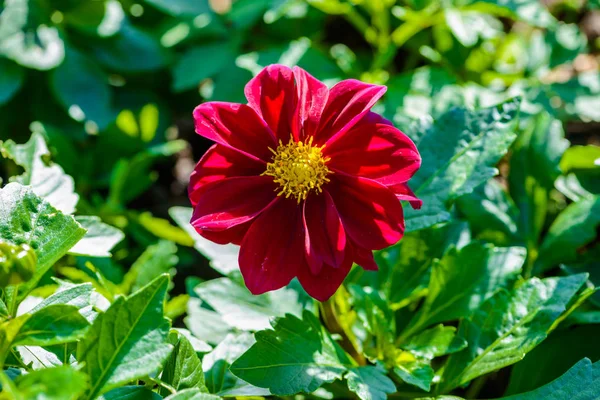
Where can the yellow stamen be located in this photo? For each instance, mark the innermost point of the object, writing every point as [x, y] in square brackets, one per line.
[298, 168]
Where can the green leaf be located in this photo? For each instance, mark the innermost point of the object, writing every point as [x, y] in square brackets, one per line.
[81, 87]
[59, 383]
[205, 324]
[201, 62]
[183, 369]
[192, 394]
[223, 258]
[463, 279]
[181, 8]
[581, 382]
[79, 296]
[578, 158]
[296, 356]
[11, 79]
[458, 153]
[554, 357]
[47, 179]
[52, 324]
[99, 239]
[370, 383]
[507, 326]
[128, 341]
[241, 309]
[414, 371]
[435, 342]
[25, 218]
[530, 11]
[158, 259]
[571, 231]
[461, 26]
[130, 393]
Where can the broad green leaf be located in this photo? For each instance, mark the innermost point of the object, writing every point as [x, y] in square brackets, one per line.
[370, 383]
[218, 377]
[181, 8]
[8, 332]
[459, 151]
[298, 355]
[507, 326]
[581, 382]
[128, 341]
[158, 259]
[241, 309]
[183, 369]
[414, 371]
[553, 357]
[205, 324]
[11, 79]
[572, 230]
[435, 342]
[192, 394]
[25, 218]
[52, 324]
[491, 213]
[81, 87]
[463, 279]
[131, 393]
[79, 296]
[198, 345]
[47, 179]
[577, 158]
[99, 239]
[193, 66]
[58, 383]
[223, 258]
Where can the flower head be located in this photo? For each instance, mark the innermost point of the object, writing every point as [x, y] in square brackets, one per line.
[306, 179]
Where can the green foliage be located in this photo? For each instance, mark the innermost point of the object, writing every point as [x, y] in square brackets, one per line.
[107, 291]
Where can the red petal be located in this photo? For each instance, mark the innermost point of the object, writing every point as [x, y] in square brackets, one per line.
[375, 150]
[232, 201]
[312, 97]
[348, 102]
[324, 284]
[403, 192]
[272, 95]
[371, 213]
[236, 126]
[364, 258]
[220, 162]
[273, 249]
[234, 235]
[325, 239]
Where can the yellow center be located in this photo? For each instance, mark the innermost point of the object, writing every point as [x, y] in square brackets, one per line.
[298, 168]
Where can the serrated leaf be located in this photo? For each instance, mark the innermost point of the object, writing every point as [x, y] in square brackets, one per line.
[241, 309]
[370, 383]
[128, 341]
[507, 326]
[48, 180]
[99, 239]
[459, 151]
[58, 383]
[218, 377]
[183, 369]
[463, 279]
[581, 382]
[157, 259]
[25, 218]
[572, 230]
[223, 258]
[130, 393]
[52, 324]
[435, 342]
[298, 355]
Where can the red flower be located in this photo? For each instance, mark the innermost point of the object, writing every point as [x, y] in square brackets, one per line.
[305, 178]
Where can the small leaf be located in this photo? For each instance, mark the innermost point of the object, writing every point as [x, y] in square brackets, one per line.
[52, 324]
[192, 68]
[128, 341]
[99, 239]
[296, 356]
[435, 342]
[414, 371]
[58, 383]
[158, 259]
[370, 383]
[183, 369]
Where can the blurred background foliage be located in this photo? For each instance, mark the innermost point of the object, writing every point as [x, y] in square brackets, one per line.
[109, 85]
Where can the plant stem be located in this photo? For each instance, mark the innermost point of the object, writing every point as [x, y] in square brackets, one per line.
[328, 313]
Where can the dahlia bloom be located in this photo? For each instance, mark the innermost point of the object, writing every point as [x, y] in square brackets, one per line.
[306, 179]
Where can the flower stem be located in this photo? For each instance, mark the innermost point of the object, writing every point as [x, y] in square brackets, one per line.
[328, 314]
